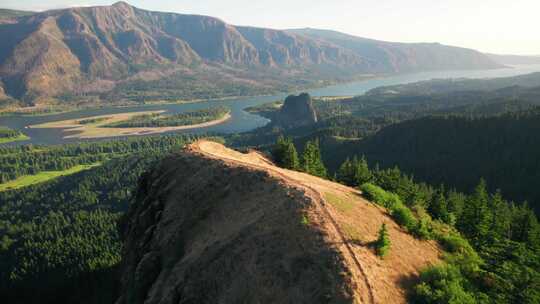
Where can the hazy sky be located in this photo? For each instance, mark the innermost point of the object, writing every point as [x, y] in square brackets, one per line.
[498, 26]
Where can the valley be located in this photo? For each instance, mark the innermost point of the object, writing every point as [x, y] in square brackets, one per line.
[241, 121]
[120, 54]
[154, 154]
[130, 124]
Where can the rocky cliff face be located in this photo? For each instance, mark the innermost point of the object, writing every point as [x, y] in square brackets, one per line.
[393, 57]
[297, 111]
[70, 50]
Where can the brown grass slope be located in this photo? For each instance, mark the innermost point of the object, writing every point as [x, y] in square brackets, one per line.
[212, 225]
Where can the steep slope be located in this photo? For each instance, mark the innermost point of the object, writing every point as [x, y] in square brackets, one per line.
[10, 16]
[392, 57]
[503, 149]
[92, 49]
[212, 225]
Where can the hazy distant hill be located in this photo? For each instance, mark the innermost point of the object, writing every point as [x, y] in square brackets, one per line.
[95, 49]
[514, 59]
[444, 86]
[7, 15]
[389, 57]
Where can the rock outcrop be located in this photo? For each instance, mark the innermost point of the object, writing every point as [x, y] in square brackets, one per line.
[296, 111]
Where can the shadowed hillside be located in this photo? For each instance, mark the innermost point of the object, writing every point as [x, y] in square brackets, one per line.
[212, 225]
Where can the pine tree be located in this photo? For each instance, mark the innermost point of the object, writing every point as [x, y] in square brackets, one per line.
[439, 207]
[362, 173]
[476, 219]
[456, 203]
[279, 150]
[382, 245]
[311, 160]
[346, 173]
[501, 216]
[284, 153]
[525, 226]
[290, 159]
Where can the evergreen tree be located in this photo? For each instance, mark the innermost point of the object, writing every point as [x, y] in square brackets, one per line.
[382, 245]
[525, 226]
[279, 150]
[362, 174]
[346, 173]
[476, 219]
[439, 207]
[456, 203]
[501, 216]
[290, 159]
[311, 160]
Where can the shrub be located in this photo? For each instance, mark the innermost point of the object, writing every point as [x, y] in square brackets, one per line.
[382, 245]
[404, 217]
[455, 243]
[443, 284]
[401, 213]
[423, 229]
[380, 196]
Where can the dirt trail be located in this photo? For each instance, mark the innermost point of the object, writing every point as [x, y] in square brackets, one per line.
[350, 223]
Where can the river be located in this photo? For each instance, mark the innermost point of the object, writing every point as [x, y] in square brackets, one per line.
[242, 121]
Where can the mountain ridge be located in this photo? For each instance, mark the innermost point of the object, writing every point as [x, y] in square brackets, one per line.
[80, 49]
[293, 237]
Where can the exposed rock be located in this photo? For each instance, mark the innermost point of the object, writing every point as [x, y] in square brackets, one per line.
[297, 111]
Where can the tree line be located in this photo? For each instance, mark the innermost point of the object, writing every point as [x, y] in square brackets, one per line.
[30, 160]
[59, 240]
[493, 244]
[172, 120]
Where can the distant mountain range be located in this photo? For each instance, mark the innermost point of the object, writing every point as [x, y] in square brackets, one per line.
[99, 49]
[515, 59]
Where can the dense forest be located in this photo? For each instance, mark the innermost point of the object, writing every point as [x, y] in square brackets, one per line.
[458, 151]
[453, 137]
[362, 116]
[59, 239]
[492, 245]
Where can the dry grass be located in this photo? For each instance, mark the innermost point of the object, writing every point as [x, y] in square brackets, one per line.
[351, 223]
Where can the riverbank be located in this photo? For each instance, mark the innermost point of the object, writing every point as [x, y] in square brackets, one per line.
[6, 140]
[82, 130]
[48, 110]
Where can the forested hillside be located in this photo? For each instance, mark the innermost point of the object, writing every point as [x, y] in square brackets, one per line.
[59, 239]
[439, 134]
[458, 151]
[492, 245]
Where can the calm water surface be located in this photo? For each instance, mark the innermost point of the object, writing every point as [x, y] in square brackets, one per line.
[242, 121]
